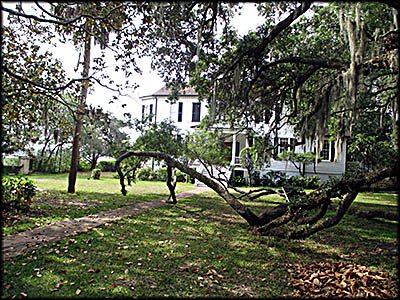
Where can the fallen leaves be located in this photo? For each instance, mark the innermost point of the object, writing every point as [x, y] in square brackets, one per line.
[97, 270]
[340, 280]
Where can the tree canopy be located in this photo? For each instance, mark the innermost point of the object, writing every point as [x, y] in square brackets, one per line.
[318, 67]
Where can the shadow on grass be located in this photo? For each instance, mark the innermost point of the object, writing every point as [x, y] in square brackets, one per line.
[199, 248]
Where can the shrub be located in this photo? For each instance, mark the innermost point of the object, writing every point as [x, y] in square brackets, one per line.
[83, 166]
[144, 173]
[17, 192]
[106, 166]
[180, 176]
[8, 170]
[10, 161]
[96, 173]
[160, 174]
[274, 179]
[311, 182]
[238, 181]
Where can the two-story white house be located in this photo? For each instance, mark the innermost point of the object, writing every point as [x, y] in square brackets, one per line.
[188, 111]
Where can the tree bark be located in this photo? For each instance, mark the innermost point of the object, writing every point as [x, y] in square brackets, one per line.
[93, 162]
[171, 186]
[292, 210]
[79, 116]
[241, 209]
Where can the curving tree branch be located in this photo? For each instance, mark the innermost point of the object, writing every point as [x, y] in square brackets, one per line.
[271, 221]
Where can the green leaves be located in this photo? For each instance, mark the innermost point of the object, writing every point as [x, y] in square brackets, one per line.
[17, 192]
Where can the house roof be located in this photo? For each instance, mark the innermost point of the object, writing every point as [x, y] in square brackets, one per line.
[165, 92]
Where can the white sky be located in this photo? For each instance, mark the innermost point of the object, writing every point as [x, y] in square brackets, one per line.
[148, 82]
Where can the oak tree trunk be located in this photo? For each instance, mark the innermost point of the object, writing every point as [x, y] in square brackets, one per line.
[79, 117]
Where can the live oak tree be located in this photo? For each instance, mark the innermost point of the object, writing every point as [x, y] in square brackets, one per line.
[33, 79]
[314, 71]
[26, 108]
[102, 135]
[317, 72]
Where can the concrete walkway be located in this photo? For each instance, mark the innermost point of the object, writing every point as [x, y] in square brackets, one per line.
[23, 242]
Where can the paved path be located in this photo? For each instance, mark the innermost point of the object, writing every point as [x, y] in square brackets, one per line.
[23, 242]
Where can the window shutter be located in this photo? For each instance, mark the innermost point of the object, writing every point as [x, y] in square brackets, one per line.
[332, 151]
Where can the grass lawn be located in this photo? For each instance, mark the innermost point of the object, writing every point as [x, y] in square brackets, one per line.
[53, 203]
[197, 248]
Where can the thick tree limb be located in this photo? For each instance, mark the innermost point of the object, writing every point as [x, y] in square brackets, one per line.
[171, 186]
[256, 52]
[286, 212]
[241, 209]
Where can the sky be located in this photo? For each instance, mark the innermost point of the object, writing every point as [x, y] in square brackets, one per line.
[149, 82]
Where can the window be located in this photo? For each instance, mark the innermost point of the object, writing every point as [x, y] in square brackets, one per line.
[286, 144]
[196, 112]
[143, 111]
[180, 109]
[283, 144]
[324, 154]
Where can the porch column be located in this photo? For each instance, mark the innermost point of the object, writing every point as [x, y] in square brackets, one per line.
[233, 148]
[247, 141]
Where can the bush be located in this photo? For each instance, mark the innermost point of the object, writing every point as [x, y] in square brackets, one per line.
[17, 192]
[238, 181]
[96, 173]
[274, 179]
[160, 174]
[181, 177]
[8, 170]
[107, 166]
[278, 179]
[83, 166]
[10, 161]
[305, 182]
[144, 173]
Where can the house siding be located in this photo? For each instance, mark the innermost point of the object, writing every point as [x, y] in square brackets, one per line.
[169, 111]
[165, 111]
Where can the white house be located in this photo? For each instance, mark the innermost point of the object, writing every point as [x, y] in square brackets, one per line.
[187, 112]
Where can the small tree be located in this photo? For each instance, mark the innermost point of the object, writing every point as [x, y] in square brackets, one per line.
[299, 160]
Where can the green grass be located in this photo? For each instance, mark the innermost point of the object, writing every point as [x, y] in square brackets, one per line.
[197, 248]
[53, 203]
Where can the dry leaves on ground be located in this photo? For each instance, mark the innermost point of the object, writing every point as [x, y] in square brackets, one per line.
[340, 280]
